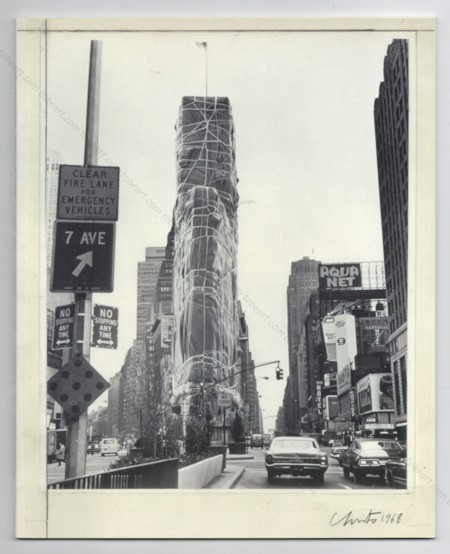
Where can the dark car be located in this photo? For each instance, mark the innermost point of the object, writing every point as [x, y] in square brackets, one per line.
[396, 472]
[257, 441]
[368, 457]
[296, 456]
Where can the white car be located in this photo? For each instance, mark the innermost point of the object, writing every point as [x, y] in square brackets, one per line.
[109, 446]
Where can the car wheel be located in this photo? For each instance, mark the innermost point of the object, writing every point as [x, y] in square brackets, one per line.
[346, 472]
[389, 480]
[358, 476]
[270, 476]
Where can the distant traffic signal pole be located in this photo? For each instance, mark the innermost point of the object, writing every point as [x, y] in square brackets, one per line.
[77, 425]
[278, 371]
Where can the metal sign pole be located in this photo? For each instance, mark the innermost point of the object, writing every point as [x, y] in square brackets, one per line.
[224, 426]
[77, 426]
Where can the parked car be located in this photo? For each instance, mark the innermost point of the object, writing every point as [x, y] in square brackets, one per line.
[109, 446]
[267, 439]
[257, 441]
[396, 472]
[297, 456]
[368, 457]
[337, 449]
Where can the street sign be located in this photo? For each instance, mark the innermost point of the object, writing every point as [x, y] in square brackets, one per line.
[88, 192]
[224, 400]
[83, 258]
[63, 327]
[76, 385]
[105, 322]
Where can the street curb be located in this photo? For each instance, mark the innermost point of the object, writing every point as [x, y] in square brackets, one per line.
[236, 478]
[237, 457]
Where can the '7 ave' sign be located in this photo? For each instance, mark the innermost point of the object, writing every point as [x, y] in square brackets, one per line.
[105, 322]
[83, 257]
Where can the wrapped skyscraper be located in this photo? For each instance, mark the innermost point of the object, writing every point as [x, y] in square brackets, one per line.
[205, 292]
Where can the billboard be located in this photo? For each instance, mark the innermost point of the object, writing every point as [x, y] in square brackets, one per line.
[329, 380]
[329, 335]
[331, 407]
[346, 350]
[373, 333]
[375, 393]
[339, 276]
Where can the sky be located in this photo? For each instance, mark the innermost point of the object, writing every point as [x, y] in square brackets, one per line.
[305, 153]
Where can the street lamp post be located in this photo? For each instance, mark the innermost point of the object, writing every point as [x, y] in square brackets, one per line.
[204, 388]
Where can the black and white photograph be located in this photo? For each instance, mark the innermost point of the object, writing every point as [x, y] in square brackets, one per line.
[229, 270]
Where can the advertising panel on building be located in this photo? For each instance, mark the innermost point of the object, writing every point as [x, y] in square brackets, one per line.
[375, 393]
[331, 407]
[339, 276]
[329, 380]
[373, 333]
[346, 350]
[329, 335]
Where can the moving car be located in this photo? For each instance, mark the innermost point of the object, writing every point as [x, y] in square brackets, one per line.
[267, 439]
[109, 446]
[368, 457]
[93, 447]
[257, 441]
[337, 449]
[396, 472]
[296, 456]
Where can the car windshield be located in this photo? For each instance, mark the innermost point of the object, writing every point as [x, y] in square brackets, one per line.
[295, 444]
[380, 445]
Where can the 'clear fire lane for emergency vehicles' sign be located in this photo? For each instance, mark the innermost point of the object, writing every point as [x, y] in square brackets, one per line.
[88, 193]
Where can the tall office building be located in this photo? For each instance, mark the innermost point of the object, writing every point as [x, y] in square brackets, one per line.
[391, 127]
[248, 383]
[147, 278]
[164, 283]
[205, 275]
[303, 281]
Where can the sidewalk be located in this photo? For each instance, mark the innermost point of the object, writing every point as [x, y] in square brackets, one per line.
[227, 479]
[234, 457]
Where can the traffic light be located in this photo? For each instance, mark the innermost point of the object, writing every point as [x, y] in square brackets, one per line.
[279, 373]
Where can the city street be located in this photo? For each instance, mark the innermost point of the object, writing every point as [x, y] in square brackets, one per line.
[94, 464]
[255, 477]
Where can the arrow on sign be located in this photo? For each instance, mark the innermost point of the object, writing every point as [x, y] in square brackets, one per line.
[65, 341]
[85, 259]
[101, 341]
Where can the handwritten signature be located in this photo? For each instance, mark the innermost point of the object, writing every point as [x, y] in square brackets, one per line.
[368, 519]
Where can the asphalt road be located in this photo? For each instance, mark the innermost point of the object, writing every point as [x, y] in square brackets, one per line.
[255, 477]
[94, 464]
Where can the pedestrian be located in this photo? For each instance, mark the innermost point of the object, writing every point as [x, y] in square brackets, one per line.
[61, 453]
